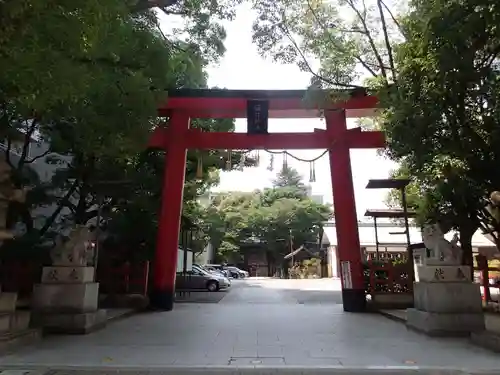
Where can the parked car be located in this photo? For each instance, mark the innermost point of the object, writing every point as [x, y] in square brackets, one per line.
[223, 274]
[217, 268]
[246, 273]
[236, 272]
[212, 269]
[198, 279]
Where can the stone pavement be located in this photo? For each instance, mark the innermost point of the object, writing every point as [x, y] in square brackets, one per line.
[261, 324]
[248, 371]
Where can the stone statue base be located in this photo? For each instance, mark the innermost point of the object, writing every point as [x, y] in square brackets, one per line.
[65, 297]
[76, 274]
[67, 300]
[437, 272]
[12, 320]
[15, 328]
[447, 302]
[72, 323]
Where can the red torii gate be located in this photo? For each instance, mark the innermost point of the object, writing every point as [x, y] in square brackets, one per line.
[177, 138]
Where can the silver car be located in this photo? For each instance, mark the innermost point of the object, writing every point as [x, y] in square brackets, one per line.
[199, 279]
[236, 272]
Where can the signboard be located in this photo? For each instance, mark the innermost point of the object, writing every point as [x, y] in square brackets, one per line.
[257, 116]
[345, 269]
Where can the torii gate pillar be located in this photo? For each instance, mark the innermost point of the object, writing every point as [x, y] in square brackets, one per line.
[348, 245]
[165, 265]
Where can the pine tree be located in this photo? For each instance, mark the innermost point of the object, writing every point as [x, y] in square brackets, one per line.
[289, 177]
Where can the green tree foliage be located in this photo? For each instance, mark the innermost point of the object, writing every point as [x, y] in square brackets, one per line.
[139, 200]
[442, 122]
[86, 79]
[198, 23]
[267, 217]
[289, 180]
[339, 43]
[414, 195]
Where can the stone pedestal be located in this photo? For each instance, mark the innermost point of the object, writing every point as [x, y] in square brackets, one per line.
[15, 328]
[447, 302]
[66, 301]
[11, 320]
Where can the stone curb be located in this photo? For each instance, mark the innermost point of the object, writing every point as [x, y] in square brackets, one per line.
[125, 315]
[264, 370]
[486, 340]
[392, 317]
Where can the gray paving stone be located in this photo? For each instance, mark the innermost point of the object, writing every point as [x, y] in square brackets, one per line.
[270, 350]
[257, 361]
[257, 319]
[312, 362]
[277, 370]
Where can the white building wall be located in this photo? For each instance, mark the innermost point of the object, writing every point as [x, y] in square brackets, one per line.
[386, 235]
[207, 256]
[387, 240]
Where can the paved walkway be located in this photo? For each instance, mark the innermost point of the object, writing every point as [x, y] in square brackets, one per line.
[260, 323]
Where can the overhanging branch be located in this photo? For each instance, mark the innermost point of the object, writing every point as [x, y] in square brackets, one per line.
[398, 25]
[386, 39]
[143, 5]
[366, 65]
[371, 41]
[28, 161]
[285, 30]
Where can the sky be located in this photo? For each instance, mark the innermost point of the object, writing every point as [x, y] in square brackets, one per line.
[243, 68]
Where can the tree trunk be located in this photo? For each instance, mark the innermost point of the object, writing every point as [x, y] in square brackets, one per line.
[466, 233]
[81, 207]
[62, 203]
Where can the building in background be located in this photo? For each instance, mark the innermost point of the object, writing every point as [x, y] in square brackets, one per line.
[318, 198]
[392, 242]
[207, 198]
[207, 256]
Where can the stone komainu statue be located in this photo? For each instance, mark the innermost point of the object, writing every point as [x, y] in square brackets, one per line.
[77, 249]
[443, 250]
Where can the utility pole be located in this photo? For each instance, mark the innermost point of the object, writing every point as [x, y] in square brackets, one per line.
[291, 247]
